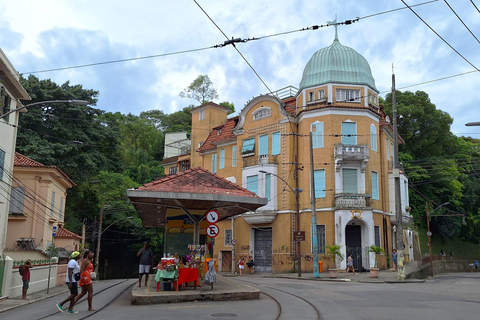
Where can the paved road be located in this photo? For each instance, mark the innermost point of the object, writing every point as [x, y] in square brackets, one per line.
[450, 296]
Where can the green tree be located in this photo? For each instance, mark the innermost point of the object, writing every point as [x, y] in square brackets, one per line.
[201, 89]
[440, 165]
[228, 105]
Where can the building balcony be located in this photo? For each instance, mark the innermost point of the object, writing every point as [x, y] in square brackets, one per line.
[351, 152]
[352, 201]
[259, 160]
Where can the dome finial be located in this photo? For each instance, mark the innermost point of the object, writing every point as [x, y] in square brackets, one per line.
[334, 23]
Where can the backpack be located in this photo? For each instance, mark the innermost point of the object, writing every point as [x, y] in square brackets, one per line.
[20, 269]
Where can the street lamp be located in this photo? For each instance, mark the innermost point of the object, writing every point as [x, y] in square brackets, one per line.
[297, 217]
[472, 124]
[429, 233]
[43, 103]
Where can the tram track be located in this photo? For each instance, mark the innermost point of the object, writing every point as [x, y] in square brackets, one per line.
[279, 306]
[94, 294]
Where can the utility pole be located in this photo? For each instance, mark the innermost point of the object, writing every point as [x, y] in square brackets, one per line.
[97, 256]
[396, 175]
[316, 271]
[429, 234]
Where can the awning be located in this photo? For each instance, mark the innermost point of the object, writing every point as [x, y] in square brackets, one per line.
[193, 192]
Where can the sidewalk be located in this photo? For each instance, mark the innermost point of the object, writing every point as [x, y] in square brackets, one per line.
[384, 276]
[12, 303]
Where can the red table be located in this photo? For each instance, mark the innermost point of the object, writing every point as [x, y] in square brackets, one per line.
[186, 275]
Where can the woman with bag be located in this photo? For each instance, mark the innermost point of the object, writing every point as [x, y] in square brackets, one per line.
[86, 272]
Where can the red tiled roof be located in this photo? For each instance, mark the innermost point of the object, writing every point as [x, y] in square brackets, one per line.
[64, 233]
[23, 161]
[197, 180]
[219, 134]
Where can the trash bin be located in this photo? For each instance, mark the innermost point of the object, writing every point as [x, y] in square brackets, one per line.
[320, 266]
[167, 285]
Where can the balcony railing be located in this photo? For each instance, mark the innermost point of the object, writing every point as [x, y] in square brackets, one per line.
[352, 201]
[351, 152]
[359, 151]
[259, 160]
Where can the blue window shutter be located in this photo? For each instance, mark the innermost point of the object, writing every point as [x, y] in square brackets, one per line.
[317, 134]
[2, 163]
[52, 204]
[349, 133]
[276, 143]
[222, 158]
[268, 185]
[252, 184]
[319, 179]
[350, 180]
[375, 185]
[263, 144]
[248, 145]
[373, 137]
[214, 163]
[234, 156]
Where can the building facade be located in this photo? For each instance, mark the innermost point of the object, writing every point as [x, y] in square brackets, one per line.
[37, 205]
[329, 140]
[11, 92]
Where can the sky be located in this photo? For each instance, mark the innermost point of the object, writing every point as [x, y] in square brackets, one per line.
[38, 36]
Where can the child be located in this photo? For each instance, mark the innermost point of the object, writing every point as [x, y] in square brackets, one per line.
[471, 266]
[241, 265]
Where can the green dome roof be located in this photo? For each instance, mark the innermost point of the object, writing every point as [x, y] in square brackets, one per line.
[339, 64]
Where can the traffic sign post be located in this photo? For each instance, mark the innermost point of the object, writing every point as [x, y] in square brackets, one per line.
[212, 216]
[212, 230]
[54, 232]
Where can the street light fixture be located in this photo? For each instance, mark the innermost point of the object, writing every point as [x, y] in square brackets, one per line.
[297, 217]
[43, 103]
[472, 124]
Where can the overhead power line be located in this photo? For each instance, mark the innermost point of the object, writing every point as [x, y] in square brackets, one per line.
[461, 21]
[445, 41]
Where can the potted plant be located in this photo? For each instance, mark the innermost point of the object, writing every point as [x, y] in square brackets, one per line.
[336, 254]
[376, 250]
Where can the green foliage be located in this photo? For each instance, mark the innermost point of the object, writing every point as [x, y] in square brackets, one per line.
[201, 89]
[376, 250]
[335, 252]
[228, 105]
[441, 166]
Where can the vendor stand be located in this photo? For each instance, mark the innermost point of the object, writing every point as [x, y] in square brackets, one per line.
[167, 272]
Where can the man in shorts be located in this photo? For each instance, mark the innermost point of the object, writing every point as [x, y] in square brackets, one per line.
[146, 261]
[26, 278]
[71, 282]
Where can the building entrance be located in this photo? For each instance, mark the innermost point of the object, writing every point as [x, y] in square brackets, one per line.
[353, 241]
[263, 250]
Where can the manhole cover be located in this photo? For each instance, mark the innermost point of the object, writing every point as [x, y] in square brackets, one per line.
[224, 315]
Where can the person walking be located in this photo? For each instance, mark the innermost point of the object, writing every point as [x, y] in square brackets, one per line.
[442, 254]
[86, 268]
[350, 264]
[26, 278]
[73, 275]
[146, 261]
[394, 260]
[241, 265]
[250, 264]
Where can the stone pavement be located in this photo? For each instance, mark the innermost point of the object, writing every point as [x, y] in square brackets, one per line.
[223, 289]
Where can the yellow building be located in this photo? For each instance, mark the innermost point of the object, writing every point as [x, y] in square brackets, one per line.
[267, 150]
[37, 206]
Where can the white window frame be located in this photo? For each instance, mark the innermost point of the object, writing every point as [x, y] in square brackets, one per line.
[344, 95]
[373, 137]
[201, 115]
[234, 156]
[261, 113]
